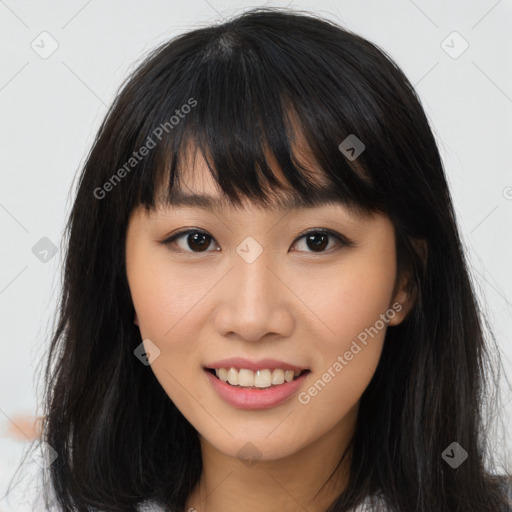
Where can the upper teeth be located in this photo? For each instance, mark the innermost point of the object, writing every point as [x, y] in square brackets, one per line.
[259, 378]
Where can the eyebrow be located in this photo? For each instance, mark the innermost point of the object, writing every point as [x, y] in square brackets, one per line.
[323, 197]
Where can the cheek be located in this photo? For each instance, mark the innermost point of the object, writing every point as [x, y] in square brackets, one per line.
[164, 300]
[355, 306]
[348, 353]
[167, 304]
[352, 298]
[351, 334]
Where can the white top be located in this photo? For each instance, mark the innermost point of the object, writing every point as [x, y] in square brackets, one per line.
[364, 507]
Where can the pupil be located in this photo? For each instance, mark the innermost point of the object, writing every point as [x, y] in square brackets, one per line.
[317, 244]
[194, 237]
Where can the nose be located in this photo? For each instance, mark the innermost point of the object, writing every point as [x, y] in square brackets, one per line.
[255, 302]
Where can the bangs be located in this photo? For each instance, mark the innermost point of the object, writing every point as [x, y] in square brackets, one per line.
[252, 107]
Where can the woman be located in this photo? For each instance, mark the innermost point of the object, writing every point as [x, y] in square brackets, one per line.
[266, 303]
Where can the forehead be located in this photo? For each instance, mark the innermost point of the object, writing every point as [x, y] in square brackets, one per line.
[282, 203]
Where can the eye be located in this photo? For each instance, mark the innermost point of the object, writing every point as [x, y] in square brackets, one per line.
[197, 241]
[318, 239]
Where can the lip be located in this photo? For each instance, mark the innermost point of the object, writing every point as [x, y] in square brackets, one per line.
[247, 398]
[262, 364]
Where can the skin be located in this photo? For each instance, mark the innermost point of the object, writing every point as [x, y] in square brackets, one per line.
[293, 304]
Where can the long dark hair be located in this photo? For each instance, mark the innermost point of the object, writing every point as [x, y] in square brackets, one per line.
[240, 91]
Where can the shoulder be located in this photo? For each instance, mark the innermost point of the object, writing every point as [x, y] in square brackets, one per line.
[373, 503]
[149, 506]
[377, 502]
[505, 482]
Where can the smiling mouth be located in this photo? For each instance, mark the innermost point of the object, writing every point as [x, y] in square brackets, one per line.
[260, 379]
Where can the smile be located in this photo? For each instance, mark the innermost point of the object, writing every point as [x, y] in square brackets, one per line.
[257, 390]
[264, 378]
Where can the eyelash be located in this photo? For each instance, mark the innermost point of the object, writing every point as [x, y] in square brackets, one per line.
[342, 240]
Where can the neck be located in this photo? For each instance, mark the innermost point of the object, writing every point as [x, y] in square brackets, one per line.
[229, 484]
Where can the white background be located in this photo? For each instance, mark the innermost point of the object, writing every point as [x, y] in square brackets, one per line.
[51, 109]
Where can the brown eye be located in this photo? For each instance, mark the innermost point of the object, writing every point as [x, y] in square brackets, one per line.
[318, 240]
[197, 241]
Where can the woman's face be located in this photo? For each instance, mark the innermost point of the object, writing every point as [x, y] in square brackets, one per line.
[250, 285]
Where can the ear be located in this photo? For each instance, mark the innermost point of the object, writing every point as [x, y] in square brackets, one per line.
[135, 319]
[406, 293]
[401, 303]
